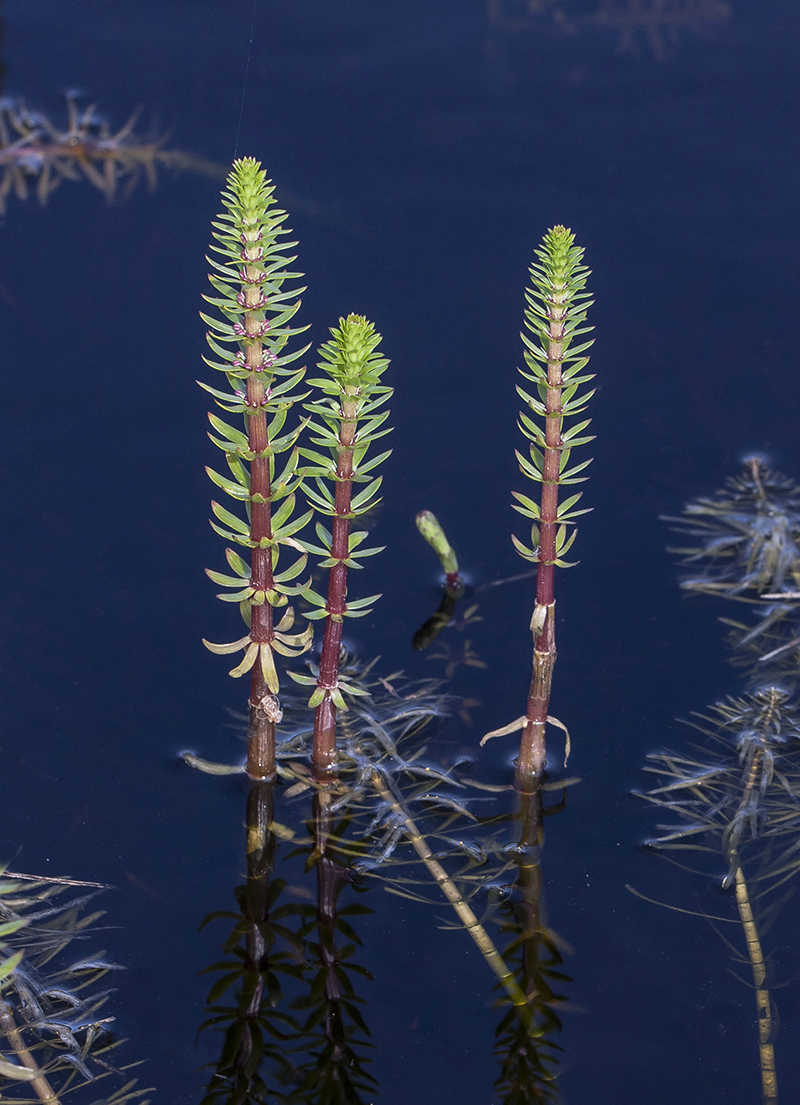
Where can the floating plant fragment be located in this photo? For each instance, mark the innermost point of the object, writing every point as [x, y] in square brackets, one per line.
[37, 155]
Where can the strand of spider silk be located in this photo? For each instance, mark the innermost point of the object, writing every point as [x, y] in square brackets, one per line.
[769, 1082]
[485, 944]
[44, 1091]
[244, 84]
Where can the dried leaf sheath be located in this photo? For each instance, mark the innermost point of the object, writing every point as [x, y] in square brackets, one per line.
[250, 343]
[554, 317]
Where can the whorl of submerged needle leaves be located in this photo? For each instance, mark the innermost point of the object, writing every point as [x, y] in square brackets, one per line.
[748, 534]
[258, 299]
[556, 306]
[744, 789]
[347, 420]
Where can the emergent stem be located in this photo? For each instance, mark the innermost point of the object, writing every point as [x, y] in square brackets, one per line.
[532, 744]
[324, 753]
[261, 713]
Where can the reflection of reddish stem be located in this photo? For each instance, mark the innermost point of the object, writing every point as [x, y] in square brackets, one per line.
[261, 724]
[324, 753]
[532, 744]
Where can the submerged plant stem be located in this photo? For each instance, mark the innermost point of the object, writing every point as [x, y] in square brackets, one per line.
[485, 944]
[769, 1081]
[42, 1088]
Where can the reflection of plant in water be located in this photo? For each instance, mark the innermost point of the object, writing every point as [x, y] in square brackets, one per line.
[527, 1051]
[261, 951]
[658, 22]
[314, 1053]
[54, 1037]
[334, 1035]
[35, 153]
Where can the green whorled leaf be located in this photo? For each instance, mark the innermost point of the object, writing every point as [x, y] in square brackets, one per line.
[229, 535]
[361, 468]
[292, 573]
[325, 536]
[568, 503]
[238, 470]
[237, 596]
[320, 498]
[527, 505]
[230, 519]
[284, 532]
[359, 502]
[305, 680]
[529, 468]
[224, 580]
[228, 432]
[325, 463]
[315, 549]
[574, 442]
[569, 475]
[315, 598]
[237, 564]
[283, 512]
[315, 615]
[527, 554]
[358, 604]
[564, 539]
[222, 329]
[235, 490]
[224, 397]
[568, 435]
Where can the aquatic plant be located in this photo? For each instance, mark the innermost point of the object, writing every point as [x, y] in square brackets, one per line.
[740, 799]
[346, 419]
[431, 529]
[53, 1036]
[748, 547]
[554, 317]
[250, 338]
[747, 535]
[36, 153]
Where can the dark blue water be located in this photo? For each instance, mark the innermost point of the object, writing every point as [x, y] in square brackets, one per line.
[422, 152]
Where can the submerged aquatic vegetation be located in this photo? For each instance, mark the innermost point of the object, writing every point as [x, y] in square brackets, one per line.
[748, 547]
[747, 535]
[54, 1037]
[741, 802]
[37, 155]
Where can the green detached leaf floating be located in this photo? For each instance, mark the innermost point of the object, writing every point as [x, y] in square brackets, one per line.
[250, 336]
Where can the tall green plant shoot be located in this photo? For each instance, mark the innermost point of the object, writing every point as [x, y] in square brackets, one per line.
[555, 314]
[251, 339]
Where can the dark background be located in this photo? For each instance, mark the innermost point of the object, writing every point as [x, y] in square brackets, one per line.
[421, 151]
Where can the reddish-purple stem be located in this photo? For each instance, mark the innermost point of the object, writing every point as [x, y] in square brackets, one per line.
[262, 706]
[324, 752]
[531, 760]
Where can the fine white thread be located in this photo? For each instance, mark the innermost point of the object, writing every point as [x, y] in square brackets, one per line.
[244, 86]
